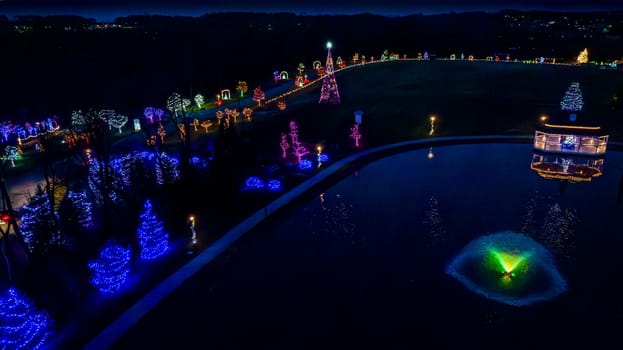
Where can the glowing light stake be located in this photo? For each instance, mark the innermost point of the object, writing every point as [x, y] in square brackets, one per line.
[508, 267]
[21, 325]
[432, 125]
[111, 268]
[431, 155]
[193, 230]
[355, 135]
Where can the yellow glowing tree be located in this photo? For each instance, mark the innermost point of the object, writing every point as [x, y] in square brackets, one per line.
[583, 57]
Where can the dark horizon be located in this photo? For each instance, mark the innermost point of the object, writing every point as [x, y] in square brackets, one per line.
[109, 14]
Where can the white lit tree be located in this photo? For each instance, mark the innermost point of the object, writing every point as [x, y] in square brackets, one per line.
[11, 153]
[572, 100]
[117, 121]
[199, 100]
[174, 103]
[186, 103]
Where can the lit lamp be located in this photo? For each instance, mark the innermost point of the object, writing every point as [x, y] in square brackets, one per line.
[543, 119]
[431, 155]
[329, 45]
[193, 230]
[432, 124]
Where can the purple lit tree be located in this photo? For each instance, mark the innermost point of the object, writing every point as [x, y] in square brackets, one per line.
[300, 151]
[152, 239]
[294, 133]
[21, 325]
[284, 144]
[159, 113]
[329, 92]
[355, 135]
[149, 114]
[111, 268]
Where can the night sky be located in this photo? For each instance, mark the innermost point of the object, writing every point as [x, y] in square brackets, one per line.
[108, 9]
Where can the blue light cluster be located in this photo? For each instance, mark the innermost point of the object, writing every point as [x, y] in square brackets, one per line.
[274, 185]
[323, 158]
[111, 268]
[82, 207]
[306, 164]
[152, 239]
[21, 325]
[167, 169]
[254, 183]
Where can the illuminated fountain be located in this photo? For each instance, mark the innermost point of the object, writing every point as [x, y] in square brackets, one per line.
[508, 267]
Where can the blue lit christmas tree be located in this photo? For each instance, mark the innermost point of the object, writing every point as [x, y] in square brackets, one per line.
[111, 268]
[152, 239]
[329, 92]
[167, 169]
[572, 101]
[21, 325]
[40, 225]
[82, 207]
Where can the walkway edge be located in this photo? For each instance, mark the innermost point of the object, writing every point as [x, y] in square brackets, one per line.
[113, 332]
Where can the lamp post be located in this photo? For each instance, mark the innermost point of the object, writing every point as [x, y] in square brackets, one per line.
[432, 124]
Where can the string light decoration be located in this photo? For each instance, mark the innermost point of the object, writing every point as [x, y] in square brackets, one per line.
[206, 124]
[329, 92]
[148, 112]
[572, 100]
[242, 87]
[22, 326]
[152, 239]
[11, 153]
[199, 100]
[247, 112]
[322, 158]
[83, 208]
[582, 57]
[159, 113]
[284, 144]
[274, 185]
[95, 182]
[111, 268]
[40, 225]
[117, 121]
[254, 183]
[167, 169]
[258, 95]
[305, 164]
[355, 135]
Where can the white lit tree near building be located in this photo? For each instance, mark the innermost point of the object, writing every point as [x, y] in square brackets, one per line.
[152, 239]
[572, 101]
[111, 268]
[117, 121]
[22, 326]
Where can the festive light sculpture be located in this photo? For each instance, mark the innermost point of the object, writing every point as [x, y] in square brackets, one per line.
[300, 151]
[21, 325]
[305, 164]
[329, 92]
[117, 121]
[582, 57]
[254, 183]
[572, 100]
[508, 267]
[355, 135]
[149, 114]
[258, 95]
[284, 144]
[199, 100]
[152, 239]
[11, 153]
[247, 112]
[294, 133]
[432, 125]
[83, 208]
[111, 268]
[162, 132]
[159, 113]
[206, 124]
[242, 87]
[167, 169]
[274, 185]
[40, 225]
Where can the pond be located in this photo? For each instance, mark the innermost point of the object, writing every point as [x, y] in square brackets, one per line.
[372, 258]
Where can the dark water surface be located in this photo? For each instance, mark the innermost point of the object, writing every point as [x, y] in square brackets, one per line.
[362, 264]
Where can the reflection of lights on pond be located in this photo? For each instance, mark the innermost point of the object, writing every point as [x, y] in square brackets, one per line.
[509, 268]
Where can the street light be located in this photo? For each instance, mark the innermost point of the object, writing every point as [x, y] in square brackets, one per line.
[432, 124]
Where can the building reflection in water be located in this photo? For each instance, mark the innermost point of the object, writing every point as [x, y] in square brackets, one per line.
[572, 168]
